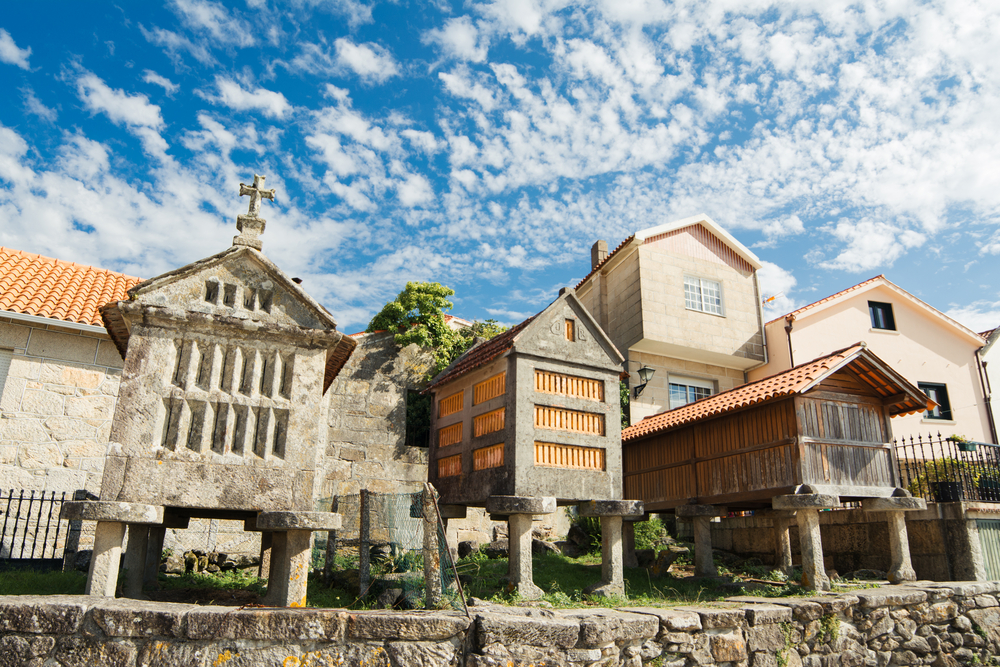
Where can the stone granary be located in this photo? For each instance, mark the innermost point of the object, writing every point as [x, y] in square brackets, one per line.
[222, 412]
[795, 443]
[530, 420]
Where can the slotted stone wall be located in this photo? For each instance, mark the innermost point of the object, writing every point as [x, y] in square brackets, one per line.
[920, 624]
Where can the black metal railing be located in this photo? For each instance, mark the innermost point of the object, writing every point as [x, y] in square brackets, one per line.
[949, 469]
[31, 533]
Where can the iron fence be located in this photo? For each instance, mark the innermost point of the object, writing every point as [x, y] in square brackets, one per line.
[949, 469]
[31, 533]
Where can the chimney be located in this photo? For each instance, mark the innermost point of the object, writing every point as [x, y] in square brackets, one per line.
[598, 253]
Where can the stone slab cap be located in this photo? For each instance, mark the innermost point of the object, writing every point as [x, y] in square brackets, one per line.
[700, 510]
[893, 504]
[105, 510]
[281, 521]
[452, 511]
[611, 508]
[507, 505]
[805, 501]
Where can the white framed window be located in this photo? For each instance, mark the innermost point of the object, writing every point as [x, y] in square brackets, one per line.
[703, 295]
[684, 390]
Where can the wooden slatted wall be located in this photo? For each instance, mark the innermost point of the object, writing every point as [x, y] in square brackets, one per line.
[568, 456]
[489, 388]
[488, 422]
[488, 457]
[575, 421]
[450, 435]
[547, 382]
[451, 405]
[450, 466]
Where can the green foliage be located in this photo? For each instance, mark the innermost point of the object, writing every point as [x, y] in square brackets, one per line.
[230, 581]
[829, 628]
[624, 397]
[649, 534]
[29, 582]
[945, 469]
[416, 315]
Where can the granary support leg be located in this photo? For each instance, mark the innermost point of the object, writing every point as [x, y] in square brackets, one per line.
[291, 552]
[135, 560]
[629, 558]
[782, 521]
[432, 554]
[806, 508]
[612, 571]
[111, 518]
[157, 534]
[701, 516]
[900, 566]
[519, 511]
[264, 569]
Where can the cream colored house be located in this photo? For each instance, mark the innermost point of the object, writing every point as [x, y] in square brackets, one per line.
[59, 372]
[683, 299]
[920, 342]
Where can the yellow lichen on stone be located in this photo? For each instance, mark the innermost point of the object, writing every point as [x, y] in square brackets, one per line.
[225, 656]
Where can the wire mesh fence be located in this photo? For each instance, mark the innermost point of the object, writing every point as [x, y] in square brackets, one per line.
[384, 553]
[949, 469]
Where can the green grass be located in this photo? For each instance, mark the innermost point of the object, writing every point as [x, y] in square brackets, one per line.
[232, 580]
[29, 582]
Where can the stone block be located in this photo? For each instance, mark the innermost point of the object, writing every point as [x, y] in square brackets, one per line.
[507, 505]
[766, 614]
[108, 355]
[23, 430]
[352, 454]
[24, 367]
[700, 510]
[423, 653]
[39, 456]
[117, 512]
[671, 620]
[413, 627]
[85, 651]
[42, 614]
[287, 625]
[70, 428]
[712, 619]
[90, 407]
[765, 638]
[54, 345]
[13, 335]
[280, 521]
[893, 504]
[42, 402]
[530, 628]
[801, 501]
[885, 597]
[138, 618]
[611, 508]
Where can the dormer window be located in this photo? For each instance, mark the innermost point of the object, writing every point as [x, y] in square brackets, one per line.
[570, 330]
[881, 314]
[703, 295]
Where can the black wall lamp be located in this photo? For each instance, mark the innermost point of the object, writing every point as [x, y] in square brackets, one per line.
[645, 375]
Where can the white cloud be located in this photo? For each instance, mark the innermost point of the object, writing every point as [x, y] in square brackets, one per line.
[414, 190]
[461, 39]
[870, 245]
[978, 316]
[35, 107]
[357, 13]
[459, 84]
[10, 53]
[776, 284]
[174, 44]
[371, 62]
[224, 26]
[116, 104]
[234, 96]
[149, 76]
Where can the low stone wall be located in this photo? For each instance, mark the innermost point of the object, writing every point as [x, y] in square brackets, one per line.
[925, 623]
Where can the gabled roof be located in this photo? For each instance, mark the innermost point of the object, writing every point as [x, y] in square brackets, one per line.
[865, 364]
[481, 354]
[991, 337]
[701, 219]
[870, 284]
[41, 286]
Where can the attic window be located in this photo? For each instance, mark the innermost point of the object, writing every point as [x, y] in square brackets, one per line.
[265, 297]
[570, 329]
[250, 299]
[229, 296]
[881, 314]
[212, 291]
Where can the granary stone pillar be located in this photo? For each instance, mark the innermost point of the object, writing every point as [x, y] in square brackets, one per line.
[112, 519]
[701, 516]
[629, 559]
[135, 560]
[432, 552]
[611, 513]
[291, 534]
[806, 507]
[900, 567]
[782, 522]
[519, 510]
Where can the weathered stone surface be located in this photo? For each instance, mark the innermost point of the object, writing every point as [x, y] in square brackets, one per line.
[765, 638]
[671, 620]
[117, 512]
[765, 614]
[36, 614]
[78, 651]
[611, 508]
[426, 626]
[600, 627]
[728, 647]
[890, 597]
[713, 618]
[267, 624]
[137, 618]
[533, 628]
[422, 654]
[804, 501]
[508, 505]
[298, 521]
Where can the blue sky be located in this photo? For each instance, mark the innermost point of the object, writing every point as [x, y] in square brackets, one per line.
[487, 145]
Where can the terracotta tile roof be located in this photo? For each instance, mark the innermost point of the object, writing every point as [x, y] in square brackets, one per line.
[604, 261]
[35, 285]
[481, 354]
[798, 311]
[789, 382]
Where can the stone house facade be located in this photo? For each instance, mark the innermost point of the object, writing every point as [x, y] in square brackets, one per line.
[683, 299]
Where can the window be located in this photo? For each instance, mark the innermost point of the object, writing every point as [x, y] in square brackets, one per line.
[939, 394]
[688, 390]
[881, 314]
[570, 330]
[418, 419]
[703, 295]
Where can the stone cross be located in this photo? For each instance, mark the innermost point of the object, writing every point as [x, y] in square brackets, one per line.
[251, 225]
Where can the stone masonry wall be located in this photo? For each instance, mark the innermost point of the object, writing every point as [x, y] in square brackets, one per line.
[56, 407]
[919, 624]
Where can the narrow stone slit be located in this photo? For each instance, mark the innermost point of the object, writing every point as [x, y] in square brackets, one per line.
[219, 431]
[250, 299]
[205, 368]
[178, 372]
[280, 430]
[211, 291]
[247, 375]
[286, 376]
[260, 432]
[240, 428]
[171, 422]
[229, 296]
[197, 425]
[265, 297]
[265, 385]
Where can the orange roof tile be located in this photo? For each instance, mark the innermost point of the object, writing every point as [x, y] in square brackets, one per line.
[45, 287]
[789, 382]
[481, 354]
[798, 311]
[604, 261]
